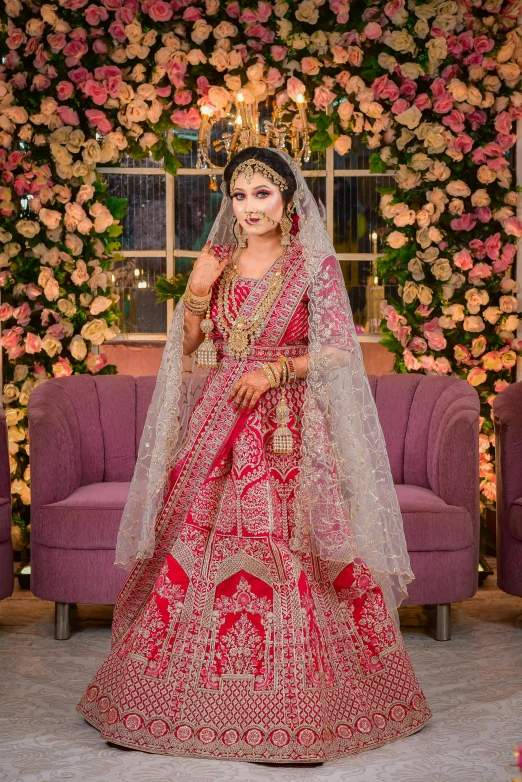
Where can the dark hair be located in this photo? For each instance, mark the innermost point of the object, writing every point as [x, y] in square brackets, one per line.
[272, 159]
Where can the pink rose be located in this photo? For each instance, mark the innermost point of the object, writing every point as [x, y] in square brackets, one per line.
[96, 91]
[95, 362]
[384, 88]
[323, 97]
[478, 345]
[33, 343]
[11, 336]
[159, 11]
[422, 101]
[476, 376]
[6, 311]
[187, 119]
[465, 223]
[412, 364]
[98, 119]
[436, 340]
[264, 11]
[463, 260]
[40, 82]
[513, 226]
[95, 14]
[68, 115]
[62, 368]
[22, 314]
[278, 52]
[32, 291]
[454, 121]
[418, 344]
[477, 118]
[492, 246]
[427, 363]
[295, 87]
[484, 214]
[443, 104]
[183, 97]
[372, 31]
[442, 365]
[399, 106]
[233, 10]
[117, 31]
[483, 44]
[64, 90]
[463, 143]
[249, 16]
[480, 270]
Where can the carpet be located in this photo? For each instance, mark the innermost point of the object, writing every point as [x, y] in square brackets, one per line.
[473, 685]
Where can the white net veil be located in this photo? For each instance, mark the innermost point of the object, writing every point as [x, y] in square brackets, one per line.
[345, 504]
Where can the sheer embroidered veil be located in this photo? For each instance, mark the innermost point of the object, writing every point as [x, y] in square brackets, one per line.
[346, 505]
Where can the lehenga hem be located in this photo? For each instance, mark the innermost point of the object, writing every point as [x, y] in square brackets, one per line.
[224, 756]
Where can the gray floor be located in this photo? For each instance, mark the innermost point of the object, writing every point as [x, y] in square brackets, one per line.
[473, 684]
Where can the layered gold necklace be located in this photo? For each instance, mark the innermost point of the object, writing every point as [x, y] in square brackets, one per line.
[240, 330]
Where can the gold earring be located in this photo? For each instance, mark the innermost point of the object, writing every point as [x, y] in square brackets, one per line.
[240, 236]
[286, 227]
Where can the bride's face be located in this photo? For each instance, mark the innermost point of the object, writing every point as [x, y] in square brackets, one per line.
[258, 204]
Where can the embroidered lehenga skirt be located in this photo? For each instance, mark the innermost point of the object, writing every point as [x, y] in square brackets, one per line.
[228, 644]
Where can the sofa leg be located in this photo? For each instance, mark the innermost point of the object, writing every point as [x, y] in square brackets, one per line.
[62, 624]
[443, 622]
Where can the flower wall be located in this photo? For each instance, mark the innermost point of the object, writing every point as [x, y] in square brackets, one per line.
[433, 88]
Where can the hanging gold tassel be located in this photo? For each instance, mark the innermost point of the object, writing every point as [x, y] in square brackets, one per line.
[206, 354]
[283, 440]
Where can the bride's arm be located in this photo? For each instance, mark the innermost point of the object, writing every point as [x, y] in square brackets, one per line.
[192, 334]
[301, 365]
[207, 268]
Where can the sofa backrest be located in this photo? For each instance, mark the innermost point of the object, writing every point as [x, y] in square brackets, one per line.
[105, 415]
[412, 409]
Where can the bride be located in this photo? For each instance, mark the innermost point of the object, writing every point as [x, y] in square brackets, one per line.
[262, 530]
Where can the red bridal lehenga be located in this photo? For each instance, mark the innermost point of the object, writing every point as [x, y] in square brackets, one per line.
[226, 643]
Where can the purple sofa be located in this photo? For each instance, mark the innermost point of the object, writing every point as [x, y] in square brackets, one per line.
[6, 546]
[84, 433]
[507, 409]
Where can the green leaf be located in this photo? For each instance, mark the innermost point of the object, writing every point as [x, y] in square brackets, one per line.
[171, 163]
[320, 141]
[114, 230]
[377, 164]
[116, 206]
[158, 149]
[181, 145]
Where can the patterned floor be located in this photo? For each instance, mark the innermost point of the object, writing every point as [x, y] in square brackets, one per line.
[473, 685]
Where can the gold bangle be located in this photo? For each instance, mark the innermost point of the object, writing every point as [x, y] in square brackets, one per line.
[276, 369]
[194, 296]
[270, 375]
[285, 368]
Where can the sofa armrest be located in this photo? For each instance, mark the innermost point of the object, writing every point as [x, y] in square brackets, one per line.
[54, 444]
[5, 471]
[507, 408]
[453, 455]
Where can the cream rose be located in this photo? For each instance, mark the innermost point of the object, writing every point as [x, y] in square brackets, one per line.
[78, 347]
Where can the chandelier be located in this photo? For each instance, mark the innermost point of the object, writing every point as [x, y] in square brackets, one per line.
[278, 132]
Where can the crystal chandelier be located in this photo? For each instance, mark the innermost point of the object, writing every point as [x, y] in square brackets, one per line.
[278, 132]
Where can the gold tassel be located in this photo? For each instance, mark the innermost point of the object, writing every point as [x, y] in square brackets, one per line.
[206, 354]
[283, 440]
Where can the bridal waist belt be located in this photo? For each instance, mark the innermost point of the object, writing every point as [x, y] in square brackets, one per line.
[262, 352]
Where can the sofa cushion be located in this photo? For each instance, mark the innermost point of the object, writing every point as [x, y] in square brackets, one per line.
[429, 523]
[515, 519]
[5, 519]
[88, 519]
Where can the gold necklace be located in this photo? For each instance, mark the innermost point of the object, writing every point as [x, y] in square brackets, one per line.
[242, 331]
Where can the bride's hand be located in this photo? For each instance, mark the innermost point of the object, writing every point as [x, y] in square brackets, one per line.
[246, 391]
[207, 268]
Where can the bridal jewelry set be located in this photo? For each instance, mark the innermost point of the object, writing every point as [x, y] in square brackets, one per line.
[242, 331]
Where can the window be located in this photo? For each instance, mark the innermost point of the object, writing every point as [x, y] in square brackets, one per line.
[169, 218]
